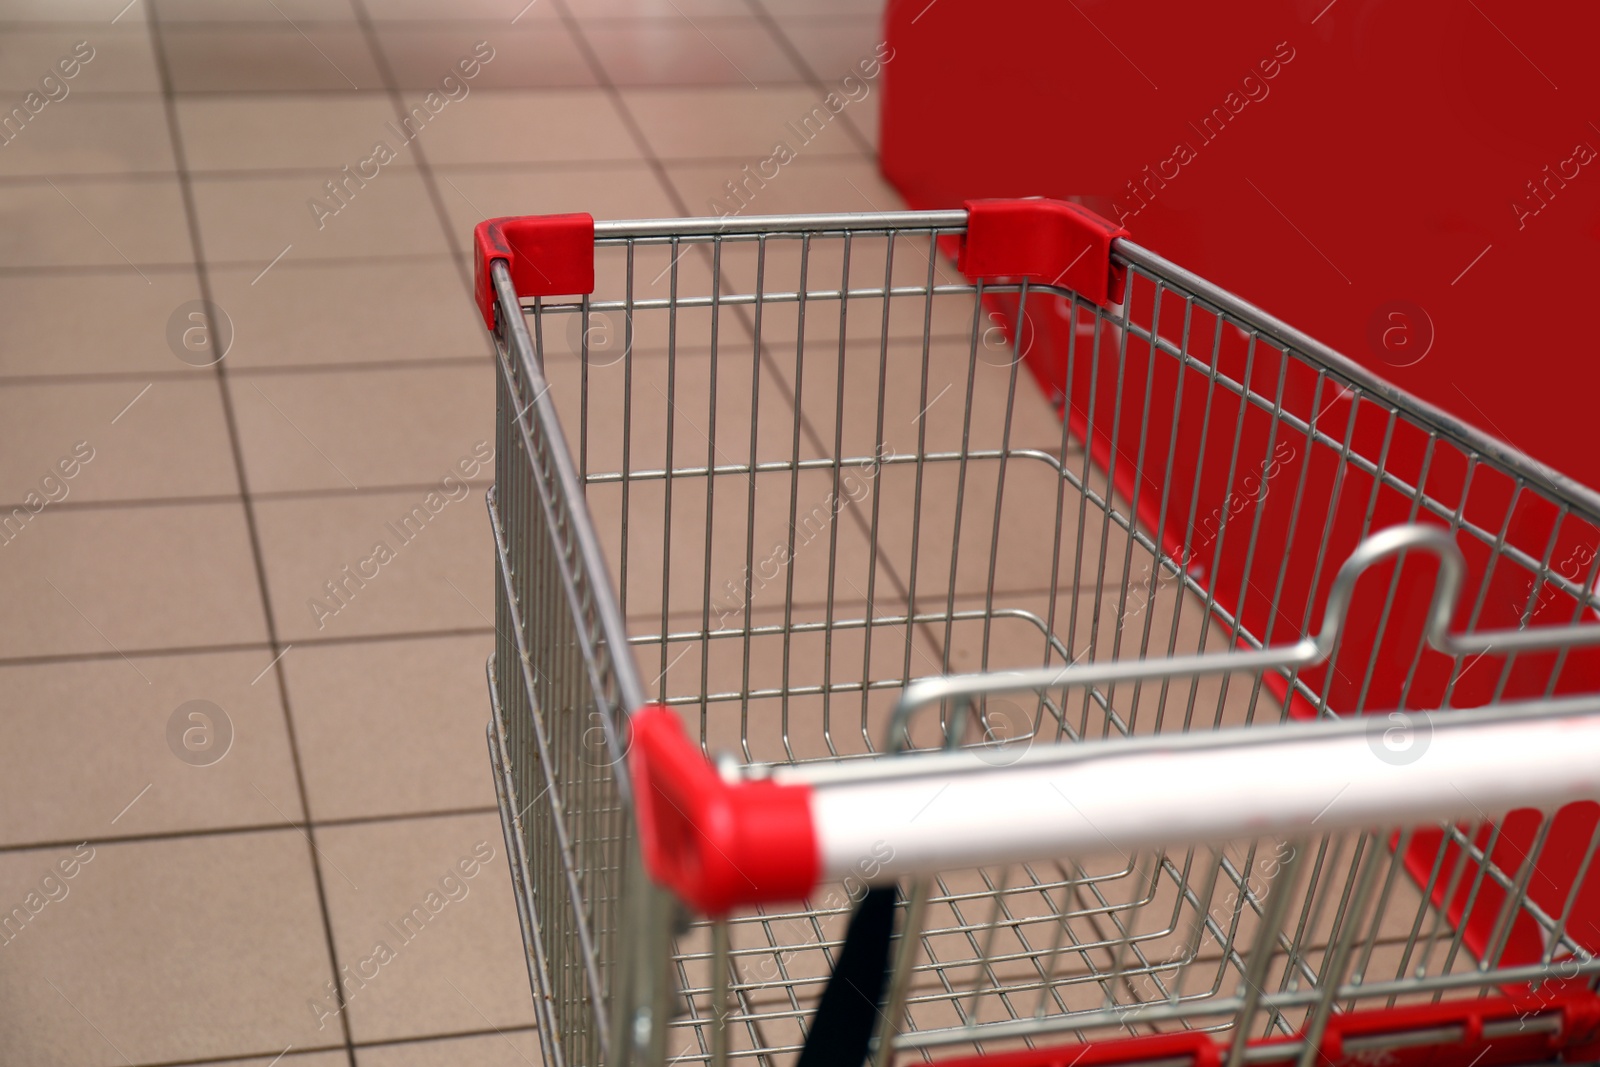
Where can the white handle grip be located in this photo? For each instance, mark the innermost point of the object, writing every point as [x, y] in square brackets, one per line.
[920, 814]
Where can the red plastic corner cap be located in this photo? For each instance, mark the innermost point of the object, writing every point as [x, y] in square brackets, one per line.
[549, 255]
[1051, 241]
[717, 845]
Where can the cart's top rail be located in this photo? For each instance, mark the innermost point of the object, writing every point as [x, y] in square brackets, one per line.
[841, 222]
[1057, 243]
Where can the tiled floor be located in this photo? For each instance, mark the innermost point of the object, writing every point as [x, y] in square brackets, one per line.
[231, 857]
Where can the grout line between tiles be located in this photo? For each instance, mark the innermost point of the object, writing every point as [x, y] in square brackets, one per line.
[244, 174]
[268, 369]
[884, 601]
[289, 1058]
[241, 646]
[258, 370]
[248, 498]
[302, 825]
[330, 493]
[814, 80]
[898, 584]
[252, 266]
[380, 59]
[186, 95]
[197, 243]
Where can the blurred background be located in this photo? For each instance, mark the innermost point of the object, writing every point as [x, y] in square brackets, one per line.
[243, 751]
[250, 374]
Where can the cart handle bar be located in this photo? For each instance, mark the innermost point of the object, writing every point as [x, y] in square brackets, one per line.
[765, 835]
[1307, 652]
[724, 842]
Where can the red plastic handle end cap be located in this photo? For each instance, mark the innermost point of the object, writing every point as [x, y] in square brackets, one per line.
[1199, 1049]
[717, 845]
[549, 255]
[1055, 242]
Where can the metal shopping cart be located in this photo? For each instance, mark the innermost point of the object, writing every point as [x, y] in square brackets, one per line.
[1215, 702]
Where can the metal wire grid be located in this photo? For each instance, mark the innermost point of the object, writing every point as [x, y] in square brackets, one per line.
[562, 688]
[1023, 953]
[1369, 418]
[1120, 940]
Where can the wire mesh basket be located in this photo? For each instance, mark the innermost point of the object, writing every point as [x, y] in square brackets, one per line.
[820, 557]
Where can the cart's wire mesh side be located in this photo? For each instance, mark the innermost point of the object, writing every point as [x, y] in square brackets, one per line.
[818, 465]
[564, 691]
[1115, 946]
[1315, 461]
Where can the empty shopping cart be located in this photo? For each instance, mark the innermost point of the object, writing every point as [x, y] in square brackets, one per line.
[966, 636]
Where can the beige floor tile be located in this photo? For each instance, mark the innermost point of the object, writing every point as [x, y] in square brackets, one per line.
[128, 578]
[455, 965]
[329, 1058]
[734, 122]
[264, 11]
[531, 126]
[837, 47]
[272, 56]
[514, 1048]
[127, 775]
[97, 11]
[96, 223]
[392, 726]
[865, 116]
[499, 12]
[315, 313]
[119, 57]
[805, 185]
[105, 975]
[785, 9]
[621, 191]
[252, 220]
[676, 51]
[322, 130]
[589, 10]
[329, 429]
[93, 136]
[439, 579]
[171, 441]
[45, 331]
[528, 55]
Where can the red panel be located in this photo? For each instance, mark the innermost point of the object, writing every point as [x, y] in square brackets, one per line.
[1401, 180]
